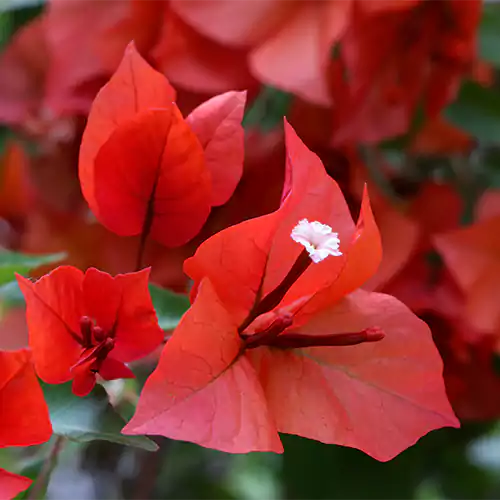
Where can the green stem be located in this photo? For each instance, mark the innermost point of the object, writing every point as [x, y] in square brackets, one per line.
[42, 481]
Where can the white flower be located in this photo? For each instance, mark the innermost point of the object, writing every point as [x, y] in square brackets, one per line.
[317, 238]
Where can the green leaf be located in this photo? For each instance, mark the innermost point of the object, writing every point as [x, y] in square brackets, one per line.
[89, 418]
[5, 28]
[477, 111]
[170, 306]
[11, 262]
[8, 5]
[11, 295]
[489, 34]
[268, 109]
[5, 133]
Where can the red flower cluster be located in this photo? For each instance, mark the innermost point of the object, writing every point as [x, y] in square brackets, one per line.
[299, 323]
[388, 56]
[82, 325]
[275, 342]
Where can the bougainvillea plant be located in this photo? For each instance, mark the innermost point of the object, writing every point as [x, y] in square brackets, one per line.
[318, 319]
[281, 339]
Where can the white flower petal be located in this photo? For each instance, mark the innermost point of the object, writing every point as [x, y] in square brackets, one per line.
[318, 239]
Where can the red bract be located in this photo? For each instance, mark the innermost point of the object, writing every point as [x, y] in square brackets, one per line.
[83, 324]
[217, 124]
[289, 44]
[275, 343]
[23, 73]
[12, 484]
[468, 356]
[472, 255]
[407, 225]
[144, 169]
[56, 64]
[394, 60]
[277, 35]
[16, 194]
[196, 63]
[134, 87]
[472, 382]
[86, 45]
[410, 272]
[24, 417]
[438, 136]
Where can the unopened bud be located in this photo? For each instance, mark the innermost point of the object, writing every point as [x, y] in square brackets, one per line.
[300, 340]
[99, 334]
[264, 336]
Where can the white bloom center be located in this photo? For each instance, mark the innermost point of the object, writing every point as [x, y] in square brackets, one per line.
[318, 239]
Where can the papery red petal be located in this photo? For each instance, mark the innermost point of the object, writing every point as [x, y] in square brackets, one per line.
[482, 300]
[112, 369]
[380, 6]
[471, 251]
[24, 416]
[400, 236]
[436, 198]
[137, 329]
[13, 329]
[54, 306]
[396, 56]
[16, 191]
[233, 24]
[308, 36]
[488, 206]
[200, 391]
[361, 262]
[160, 184]
[220, 259]
[262, 173]
[198, 64]
[382, 74]
[98, 36]
[102, 296]
[217, 124]
[469, 372]
[23, 64]
[472, 256]
[122, 306]
[315, 196]
[439, 137]
[228, 415]
[237, 258]
[12, 484]
[379, 397]
[84, 379]
[134, 87]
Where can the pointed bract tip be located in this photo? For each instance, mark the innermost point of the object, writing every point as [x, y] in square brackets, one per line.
[289, 130]
[131, 47]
